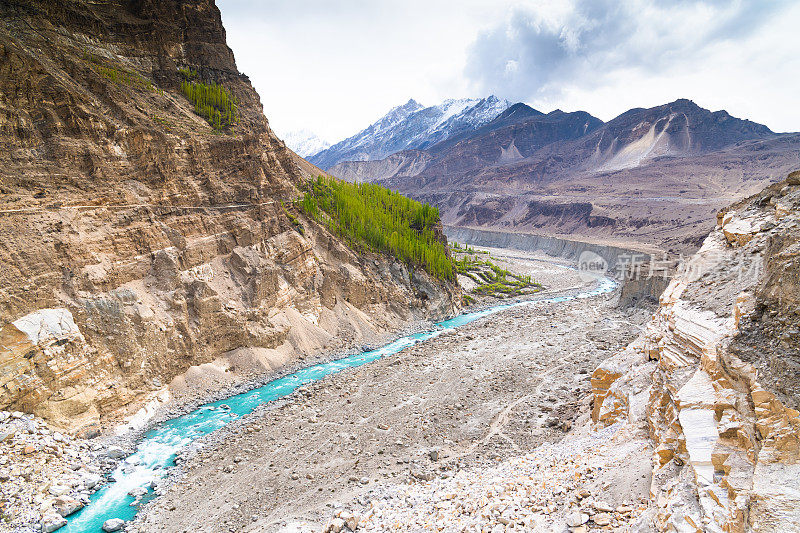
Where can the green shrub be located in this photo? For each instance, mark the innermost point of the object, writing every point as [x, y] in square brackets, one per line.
[212, 102]
[187, 73]
[492, 280]
[117, 74]
[373, 217]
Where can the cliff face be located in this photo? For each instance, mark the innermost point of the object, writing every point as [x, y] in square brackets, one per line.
[138, 243]
[715, 376]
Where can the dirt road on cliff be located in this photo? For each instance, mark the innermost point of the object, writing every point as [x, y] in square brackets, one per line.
[495, 388]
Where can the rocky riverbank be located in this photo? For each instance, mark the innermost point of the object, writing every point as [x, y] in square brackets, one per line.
[581, 483]
[46, 475]
[491, 390]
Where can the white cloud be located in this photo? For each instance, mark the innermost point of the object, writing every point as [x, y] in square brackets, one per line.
[334, 67]
[606, 56]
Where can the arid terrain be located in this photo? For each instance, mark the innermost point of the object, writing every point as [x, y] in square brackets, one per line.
[161, 248]
[652, 176]
[495, 388]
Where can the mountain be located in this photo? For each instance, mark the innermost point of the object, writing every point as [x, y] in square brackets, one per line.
[305, 143]
[144, 245]
[412, 126]
[654, 175]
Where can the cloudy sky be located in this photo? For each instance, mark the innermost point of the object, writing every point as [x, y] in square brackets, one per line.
[334, 66]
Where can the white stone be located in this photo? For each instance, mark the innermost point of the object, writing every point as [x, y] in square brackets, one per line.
[577, 519]
[115, 452]
[47, 325]
[113, 524]
[52, 522]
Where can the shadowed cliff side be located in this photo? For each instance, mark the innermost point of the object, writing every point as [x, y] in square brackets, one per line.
[138, 242]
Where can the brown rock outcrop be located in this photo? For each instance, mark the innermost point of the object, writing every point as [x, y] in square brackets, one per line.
[136, 242]
[719, 364]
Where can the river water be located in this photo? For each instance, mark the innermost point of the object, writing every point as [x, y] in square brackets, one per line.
[156, 451]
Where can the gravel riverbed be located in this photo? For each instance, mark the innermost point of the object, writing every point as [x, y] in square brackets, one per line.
[493, 391]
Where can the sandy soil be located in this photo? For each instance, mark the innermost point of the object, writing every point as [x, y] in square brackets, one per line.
[494, 389]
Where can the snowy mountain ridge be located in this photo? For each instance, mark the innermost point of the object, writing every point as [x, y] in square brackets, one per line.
[304, 142]
[412, 126]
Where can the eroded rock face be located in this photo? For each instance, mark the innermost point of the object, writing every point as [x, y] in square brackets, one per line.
[715, 376]
[138, 246]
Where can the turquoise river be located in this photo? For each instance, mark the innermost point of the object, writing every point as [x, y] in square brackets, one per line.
[156, 451]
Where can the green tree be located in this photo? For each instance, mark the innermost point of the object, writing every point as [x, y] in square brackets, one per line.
[381, 220]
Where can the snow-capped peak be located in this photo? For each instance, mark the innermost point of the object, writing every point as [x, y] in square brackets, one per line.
[410, 126]
[305, 143]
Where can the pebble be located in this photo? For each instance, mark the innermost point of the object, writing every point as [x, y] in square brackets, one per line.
[602, 507]
[602, 519]
[577, 519]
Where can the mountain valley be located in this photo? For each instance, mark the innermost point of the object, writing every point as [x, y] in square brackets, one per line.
[471, 317]
[653, 176]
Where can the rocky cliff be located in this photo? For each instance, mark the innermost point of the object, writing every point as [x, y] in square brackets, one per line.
[715, 376]
[142, 247]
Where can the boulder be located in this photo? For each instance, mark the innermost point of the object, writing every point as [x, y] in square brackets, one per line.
[334, 526]
[115, 452]
[6, 433]
[90, 481]
[138, 492]
[66, 505]
[351, 520]
[58, 490]
[113, 524]
[52, 522]
[602, 519]
[794, 178]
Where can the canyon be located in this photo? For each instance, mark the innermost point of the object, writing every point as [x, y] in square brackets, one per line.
[145, 254]
[160, 279]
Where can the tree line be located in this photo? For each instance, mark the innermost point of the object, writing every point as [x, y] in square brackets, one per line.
[381, 220]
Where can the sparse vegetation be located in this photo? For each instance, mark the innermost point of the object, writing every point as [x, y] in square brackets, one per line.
[375, 218]
[298, 226]
[491, 280]
[117, 74]
[211, 101]
[165, 123]
[188, 73]
[466, 249]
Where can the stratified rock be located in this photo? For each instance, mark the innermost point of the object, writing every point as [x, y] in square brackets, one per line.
[139, 242]
[719, 360]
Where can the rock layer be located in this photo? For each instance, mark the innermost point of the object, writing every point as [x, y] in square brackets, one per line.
[136, 242]
[714, 377]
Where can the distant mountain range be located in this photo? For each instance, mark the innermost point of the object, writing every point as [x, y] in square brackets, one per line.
[305, 143]
[412, 126]
[656, 176]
